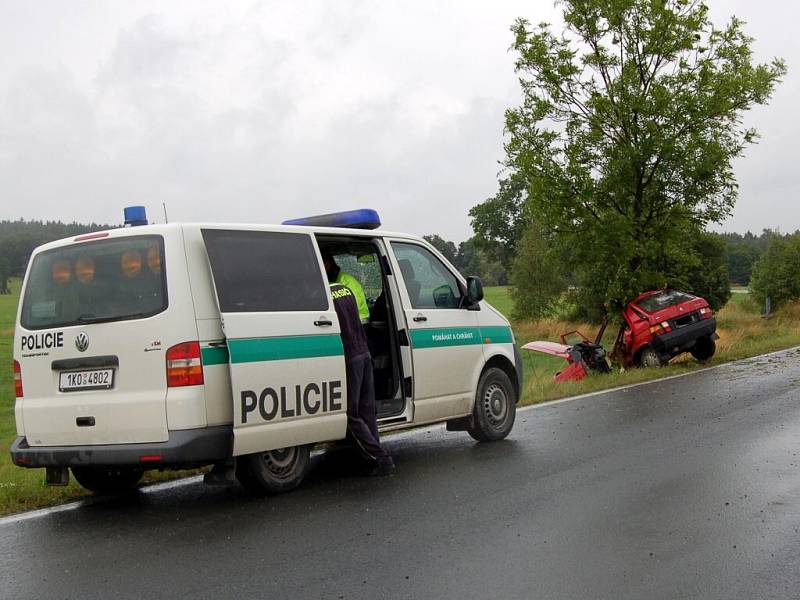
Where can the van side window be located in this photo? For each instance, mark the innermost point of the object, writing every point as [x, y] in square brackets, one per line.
[265, 271]
[428, 282]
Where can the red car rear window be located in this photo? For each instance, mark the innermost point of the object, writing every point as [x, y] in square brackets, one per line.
[663, 300]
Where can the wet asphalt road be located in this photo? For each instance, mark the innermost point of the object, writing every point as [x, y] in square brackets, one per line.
[688, 488]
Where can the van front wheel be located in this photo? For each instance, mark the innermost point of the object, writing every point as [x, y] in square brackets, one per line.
[107, 480]
[274, 471]
[495, 407]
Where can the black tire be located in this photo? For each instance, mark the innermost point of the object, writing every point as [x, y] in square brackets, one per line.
[109, 479]
[273, 472]
[704, 348]
[649, 358]
[495, 407]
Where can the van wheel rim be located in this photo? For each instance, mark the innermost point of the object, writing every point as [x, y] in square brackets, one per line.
[281, 462]
[495, 402]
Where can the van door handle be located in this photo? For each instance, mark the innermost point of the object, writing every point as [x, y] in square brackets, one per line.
[420, 319]
[323, 323]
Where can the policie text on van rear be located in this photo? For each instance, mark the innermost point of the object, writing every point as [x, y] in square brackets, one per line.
[182, 345]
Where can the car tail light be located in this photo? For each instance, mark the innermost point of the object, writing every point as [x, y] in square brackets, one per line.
[706, 312]
[17, 379]
[184, 366]
[662, 327]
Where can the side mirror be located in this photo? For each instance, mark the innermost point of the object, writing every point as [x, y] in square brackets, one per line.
[474, 290]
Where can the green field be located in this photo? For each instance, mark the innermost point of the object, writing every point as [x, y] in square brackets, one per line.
[742, 333]
[499, 297]
[20, 489]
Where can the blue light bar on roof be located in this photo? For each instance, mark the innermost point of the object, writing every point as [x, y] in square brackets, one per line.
[135, 216]
[363, 218]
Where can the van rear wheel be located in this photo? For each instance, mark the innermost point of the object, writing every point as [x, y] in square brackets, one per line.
[274, 471]
[495, 407]
[107, 480]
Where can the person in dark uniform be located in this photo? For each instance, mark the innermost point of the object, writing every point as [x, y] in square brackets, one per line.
[362, 422]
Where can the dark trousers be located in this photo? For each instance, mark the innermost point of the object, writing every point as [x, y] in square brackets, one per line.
[362, 422]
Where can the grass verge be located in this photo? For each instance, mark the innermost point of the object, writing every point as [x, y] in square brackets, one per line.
[742, 331]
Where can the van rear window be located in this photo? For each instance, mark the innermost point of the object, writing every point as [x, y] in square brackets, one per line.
[93, 282]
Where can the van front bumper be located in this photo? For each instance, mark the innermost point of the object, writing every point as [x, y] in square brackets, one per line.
[184, 448]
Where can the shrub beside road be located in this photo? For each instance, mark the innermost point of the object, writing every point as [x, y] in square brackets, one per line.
[743, 332]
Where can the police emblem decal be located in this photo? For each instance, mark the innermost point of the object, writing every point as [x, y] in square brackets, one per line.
[82, 341]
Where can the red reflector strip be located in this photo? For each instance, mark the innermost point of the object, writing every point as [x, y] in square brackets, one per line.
[150, 458]
[90, 236]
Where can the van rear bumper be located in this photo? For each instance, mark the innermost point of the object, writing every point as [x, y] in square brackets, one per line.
[185, 448]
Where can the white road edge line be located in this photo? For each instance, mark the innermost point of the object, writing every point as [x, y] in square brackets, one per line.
[167, 485]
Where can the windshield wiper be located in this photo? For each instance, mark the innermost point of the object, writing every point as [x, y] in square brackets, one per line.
[88, 318]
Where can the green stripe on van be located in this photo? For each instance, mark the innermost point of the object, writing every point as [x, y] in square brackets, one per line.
[497, 335]
[217, 355]
[285, 348]
[311, 346]
[460, 336]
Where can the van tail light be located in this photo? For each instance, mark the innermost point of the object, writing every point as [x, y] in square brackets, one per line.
[184, 366]
[17, 379]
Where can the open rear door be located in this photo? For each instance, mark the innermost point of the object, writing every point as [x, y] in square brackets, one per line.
[285, 352]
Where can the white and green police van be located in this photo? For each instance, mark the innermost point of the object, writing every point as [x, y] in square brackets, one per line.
[181, 345]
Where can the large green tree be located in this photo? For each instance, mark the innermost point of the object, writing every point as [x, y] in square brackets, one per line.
[623, 144]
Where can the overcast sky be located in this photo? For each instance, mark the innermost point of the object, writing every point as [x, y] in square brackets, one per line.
[261, 111]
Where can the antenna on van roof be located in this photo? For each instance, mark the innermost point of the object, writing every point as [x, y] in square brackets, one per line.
[164, 204]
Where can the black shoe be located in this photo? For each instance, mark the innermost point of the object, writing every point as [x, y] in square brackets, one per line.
[383, 468]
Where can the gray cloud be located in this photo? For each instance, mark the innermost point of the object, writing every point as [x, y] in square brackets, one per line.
[262, 111]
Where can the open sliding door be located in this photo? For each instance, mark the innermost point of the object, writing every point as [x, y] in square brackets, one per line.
[285, 352]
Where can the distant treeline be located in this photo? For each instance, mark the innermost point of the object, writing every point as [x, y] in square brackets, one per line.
[19, 238]
[743, 250]
[472, 258]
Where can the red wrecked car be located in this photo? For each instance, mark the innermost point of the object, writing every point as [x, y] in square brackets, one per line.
[657, 326]
[660, 325]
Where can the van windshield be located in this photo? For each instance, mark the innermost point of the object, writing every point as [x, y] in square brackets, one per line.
[99, 281]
